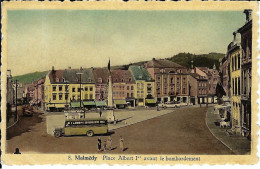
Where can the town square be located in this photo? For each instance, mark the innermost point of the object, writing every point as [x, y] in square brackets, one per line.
[129, 82]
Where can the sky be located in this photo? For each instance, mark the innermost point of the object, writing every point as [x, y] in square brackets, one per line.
[40, 39]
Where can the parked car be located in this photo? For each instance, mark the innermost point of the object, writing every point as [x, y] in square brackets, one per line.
[169, 105]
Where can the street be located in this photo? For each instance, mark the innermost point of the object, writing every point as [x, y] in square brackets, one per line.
[182, 131]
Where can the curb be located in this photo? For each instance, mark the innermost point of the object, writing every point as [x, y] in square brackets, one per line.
[214, 134]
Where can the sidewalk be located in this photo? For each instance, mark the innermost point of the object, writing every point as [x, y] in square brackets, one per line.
[238, 144]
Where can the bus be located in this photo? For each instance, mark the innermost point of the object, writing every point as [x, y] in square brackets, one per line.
[88, 127]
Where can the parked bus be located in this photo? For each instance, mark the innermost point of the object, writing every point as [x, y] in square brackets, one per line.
[87, 127]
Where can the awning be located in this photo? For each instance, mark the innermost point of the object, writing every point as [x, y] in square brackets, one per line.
[150, 101]
[89, 103]
[221, 107]
[120, 102]
[75, 104]
[101, 103]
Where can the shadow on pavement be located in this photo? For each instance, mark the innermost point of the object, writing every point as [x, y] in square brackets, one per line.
[24, 124]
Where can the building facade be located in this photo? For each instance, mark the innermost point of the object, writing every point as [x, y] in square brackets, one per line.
[171, 80]
[246, 74]
[123, 88]
[101, 76]
[234, 52]
[144, 84]
[68, 88]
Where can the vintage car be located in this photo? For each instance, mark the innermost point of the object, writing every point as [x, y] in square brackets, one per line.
[169, 105]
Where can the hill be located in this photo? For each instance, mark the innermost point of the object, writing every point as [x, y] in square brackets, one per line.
[201, 60]
[30, 77]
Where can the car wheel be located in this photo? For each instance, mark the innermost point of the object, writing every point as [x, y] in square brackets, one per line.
[90, 133]
[57, 134]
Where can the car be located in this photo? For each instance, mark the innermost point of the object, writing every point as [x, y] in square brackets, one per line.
[169, 105]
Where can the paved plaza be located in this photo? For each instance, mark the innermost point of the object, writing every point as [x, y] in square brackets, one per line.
[124, 117]
[170, 131]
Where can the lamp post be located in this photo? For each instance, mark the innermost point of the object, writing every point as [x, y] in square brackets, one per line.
[80, 88]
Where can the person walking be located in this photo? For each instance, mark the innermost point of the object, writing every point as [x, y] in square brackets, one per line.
[109, 143]
[99, 144]
[105, 146]
[121, 143]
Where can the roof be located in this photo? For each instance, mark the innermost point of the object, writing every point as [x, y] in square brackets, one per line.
[100, 73]
[122, 76]
[71, 76]
[162, 63]
[139, 73]
[197, 76]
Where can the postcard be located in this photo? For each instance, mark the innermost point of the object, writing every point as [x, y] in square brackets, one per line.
[129, 83]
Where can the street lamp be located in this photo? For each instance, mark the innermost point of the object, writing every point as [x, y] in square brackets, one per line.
[80, 88]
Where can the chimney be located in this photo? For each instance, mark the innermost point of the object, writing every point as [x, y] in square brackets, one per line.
[52, 68]
[81, 68]
[248, 13]
[153, 58]
[69, 67]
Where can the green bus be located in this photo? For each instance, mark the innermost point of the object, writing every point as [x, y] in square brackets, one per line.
[88, 127]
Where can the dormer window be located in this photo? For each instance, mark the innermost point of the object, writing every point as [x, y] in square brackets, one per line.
[99, 80]
[122, 80]
[130, 79]
[57, 79]
[63, 79]
[140, 76]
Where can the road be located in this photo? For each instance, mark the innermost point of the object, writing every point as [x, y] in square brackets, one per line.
[181, 132]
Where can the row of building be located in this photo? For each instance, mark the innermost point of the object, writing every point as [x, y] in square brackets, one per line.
[158, 80]
[236, 77]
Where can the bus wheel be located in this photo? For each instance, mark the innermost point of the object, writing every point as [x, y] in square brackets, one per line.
[90, 133]
[57, 134]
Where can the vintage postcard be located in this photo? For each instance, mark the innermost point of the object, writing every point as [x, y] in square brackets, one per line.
[129, 83]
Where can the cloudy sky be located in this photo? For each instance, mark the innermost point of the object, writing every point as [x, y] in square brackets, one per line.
[40, 39]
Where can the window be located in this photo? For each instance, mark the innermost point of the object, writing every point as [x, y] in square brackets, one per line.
[90, 88]
[232, 63]
[78, 97]
[127, 87]
[184, 90]
[66, 88]
[86, 88]
[235, 62]
[54, 97]
[158, 78]
[66, 96]
[99, 80]
[73, 97]
[127, 94]
[132, 87]
[171, 80]
[60, 96]
[73, 89]
[130, 79]
[233, 87]
[165, 90]
[184, 80]
[132, 94]
[239, 86]
[60, 88]
[86, 96]
[90, 96]
[54, 88]
[239, 61]
[178, 80]
[78, 89]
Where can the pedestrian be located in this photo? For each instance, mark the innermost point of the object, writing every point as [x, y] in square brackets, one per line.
[100, 113]
[99, 144]
[105, 145]
[121, 143]
[109, 143]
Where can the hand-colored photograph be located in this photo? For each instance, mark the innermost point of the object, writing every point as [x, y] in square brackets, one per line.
[123, 82]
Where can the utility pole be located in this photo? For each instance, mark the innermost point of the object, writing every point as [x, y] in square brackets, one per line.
[80, 88]
[16, 98]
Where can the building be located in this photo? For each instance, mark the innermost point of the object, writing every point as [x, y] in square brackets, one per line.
[234, 51]
[246, 74]
[74, 88]
[171, 80]
[29, 92]
[123, 88]
[101, 76]
[212, 77]
[144, 84]
[224, 72]
[38, 95]
[198, 88]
